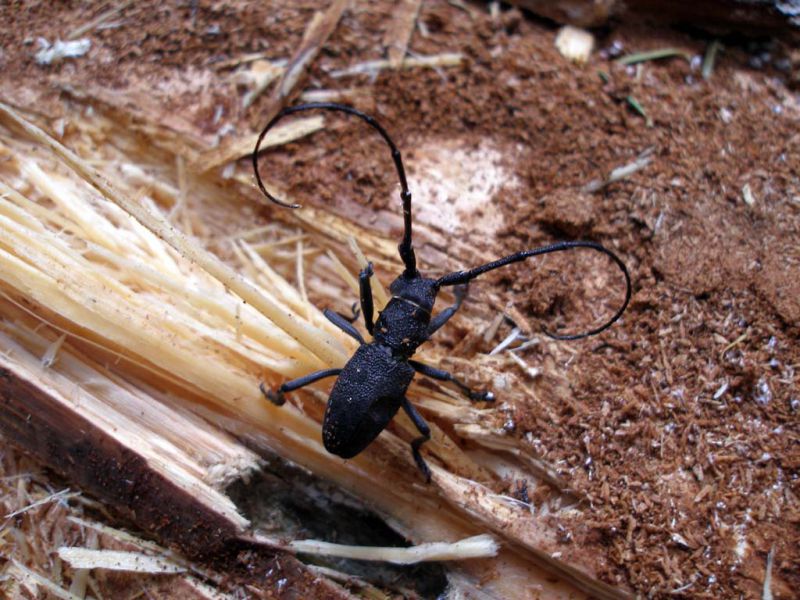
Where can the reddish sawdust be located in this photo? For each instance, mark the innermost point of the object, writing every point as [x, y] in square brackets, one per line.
[680, 425]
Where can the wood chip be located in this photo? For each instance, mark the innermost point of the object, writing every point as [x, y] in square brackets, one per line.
[373, 67]
[117, 560]
[316, 35]
[283, 133]
[32, 580]
[400, 29]
[474, 547]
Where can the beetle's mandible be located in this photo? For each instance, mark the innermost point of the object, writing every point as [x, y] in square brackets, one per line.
[371, 387]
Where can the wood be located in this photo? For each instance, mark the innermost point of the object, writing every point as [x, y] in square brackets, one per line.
[159, 332]
[106, 453]
[398, 35]
[717, 16]
[320, 28]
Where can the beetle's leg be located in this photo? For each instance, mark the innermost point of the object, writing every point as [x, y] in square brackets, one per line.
[460, 292]
[277, 397]
[342, 323]
[434, 373]
[420, 424]
[356, 312]
[366, 296]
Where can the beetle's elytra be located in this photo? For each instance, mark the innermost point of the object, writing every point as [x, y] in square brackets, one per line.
[371, 387]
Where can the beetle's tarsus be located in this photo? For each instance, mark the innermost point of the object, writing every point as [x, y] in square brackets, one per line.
[425, 430]
[441, 375]
[421, 464]
[481, 396]
[277, 398]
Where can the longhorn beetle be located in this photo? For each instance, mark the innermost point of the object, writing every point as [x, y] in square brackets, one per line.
[371, 387]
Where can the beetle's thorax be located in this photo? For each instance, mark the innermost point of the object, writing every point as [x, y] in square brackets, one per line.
[403, 323]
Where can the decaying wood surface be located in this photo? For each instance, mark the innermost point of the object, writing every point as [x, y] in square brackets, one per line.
[150, 299]
[144, 294]
[121, 446]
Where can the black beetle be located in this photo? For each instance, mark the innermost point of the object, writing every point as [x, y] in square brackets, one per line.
[371, 387]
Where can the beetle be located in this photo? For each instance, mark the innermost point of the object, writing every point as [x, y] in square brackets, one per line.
[371, 388]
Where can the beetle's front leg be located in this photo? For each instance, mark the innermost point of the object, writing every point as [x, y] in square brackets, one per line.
[277, 397]
[460, 292]
[356, 312]
[440, 375]
[365, 288]
[420, 424]
[343, 323]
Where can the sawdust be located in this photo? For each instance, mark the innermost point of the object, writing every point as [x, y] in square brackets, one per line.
[680, 425]
[455, 186]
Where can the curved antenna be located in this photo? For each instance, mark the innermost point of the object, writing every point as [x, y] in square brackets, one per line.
[464, 276]
[405, 247]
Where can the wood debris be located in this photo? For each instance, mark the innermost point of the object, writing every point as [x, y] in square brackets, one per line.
[473, 547]
[203, 305]
[99, 20]
[283, 133]
[317, 33]
[373, 67]
[116, 560]
[401, 26]
[319, 30]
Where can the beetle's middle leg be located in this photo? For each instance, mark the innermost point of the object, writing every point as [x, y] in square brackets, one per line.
[277, 397]
[420, 424]
[460, 292]
[434, 373]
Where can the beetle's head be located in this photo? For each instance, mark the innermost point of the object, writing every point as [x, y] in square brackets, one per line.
[418, 290]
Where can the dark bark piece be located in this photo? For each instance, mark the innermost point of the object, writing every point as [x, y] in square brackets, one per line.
[49, 428]
[748, 17]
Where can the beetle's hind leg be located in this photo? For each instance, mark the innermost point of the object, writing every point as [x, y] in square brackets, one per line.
[440, 375]
[278, 398]
[420, 424]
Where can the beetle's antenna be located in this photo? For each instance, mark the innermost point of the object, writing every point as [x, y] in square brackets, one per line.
[405, 247]
[465, 276]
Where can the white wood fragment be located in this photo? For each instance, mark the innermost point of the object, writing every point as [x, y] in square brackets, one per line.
[747, 195]
[447, 59]
[506, 342]
[32, 580]
[117, 560]
[50, 355]
[50, 53]
[766, 594]
[474, 547]
[63, 494]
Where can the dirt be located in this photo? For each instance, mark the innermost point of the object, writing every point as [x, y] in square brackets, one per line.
[680, 425]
